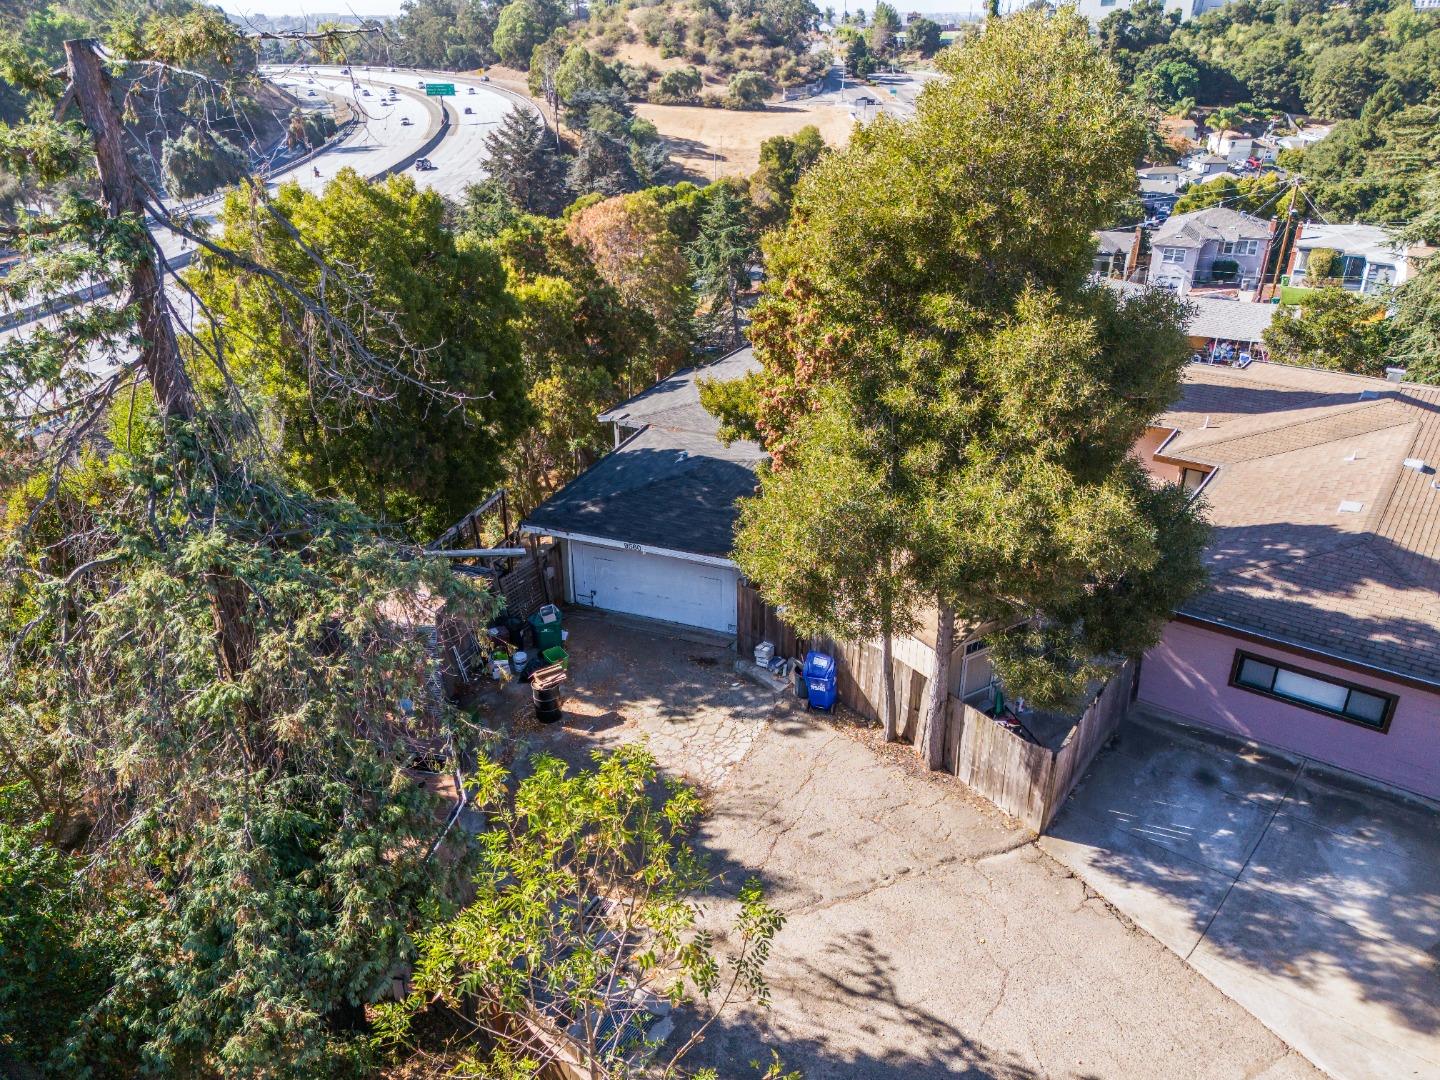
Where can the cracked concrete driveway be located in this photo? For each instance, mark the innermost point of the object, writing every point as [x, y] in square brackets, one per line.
[1310, 898]
[927, 935]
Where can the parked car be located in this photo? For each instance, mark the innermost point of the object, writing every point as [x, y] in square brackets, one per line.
[405, 121]
[309, 93]
[866, 99]
[424, 164]
[470, 90]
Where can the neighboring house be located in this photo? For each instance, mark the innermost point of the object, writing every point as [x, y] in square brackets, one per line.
[1369, 260]
[1162, 179]
[1179, 130]
[1306, 136]
[648, 529]
[1319, 632]
[1218, 326]
[1199, 166]
[1215, 246]
[1265, 148]
[1233, 146]
[1096, 10]
[1116, 251]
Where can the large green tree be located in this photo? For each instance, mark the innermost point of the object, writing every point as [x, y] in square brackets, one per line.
[523, 158]
[211, 673]
[721, 256]
[1335, 329]
[403, 453]
[931, 289]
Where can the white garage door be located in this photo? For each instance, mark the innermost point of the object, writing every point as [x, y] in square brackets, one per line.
[654, 586]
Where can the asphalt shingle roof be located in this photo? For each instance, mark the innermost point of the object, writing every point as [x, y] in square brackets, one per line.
[674, 402]
[673, 484]
[1227, 320]
[1290, 445]
[1213, 223]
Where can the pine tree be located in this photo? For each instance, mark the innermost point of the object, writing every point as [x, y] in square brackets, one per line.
[721, 257]
[524, 161]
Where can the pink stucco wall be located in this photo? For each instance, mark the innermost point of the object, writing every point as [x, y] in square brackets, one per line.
[1188, 674]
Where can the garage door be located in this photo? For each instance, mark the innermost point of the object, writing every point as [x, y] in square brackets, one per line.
[654, 586]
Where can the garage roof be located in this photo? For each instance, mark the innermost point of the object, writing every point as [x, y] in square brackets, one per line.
[674, 402]
[666, 489]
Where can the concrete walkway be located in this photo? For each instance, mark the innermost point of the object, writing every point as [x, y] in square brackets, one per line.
[927, 936]
[1313, 902]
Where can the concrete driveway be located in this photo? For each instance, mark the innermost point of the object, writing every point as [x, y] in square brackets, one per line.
[927, 935]
[1313, 902]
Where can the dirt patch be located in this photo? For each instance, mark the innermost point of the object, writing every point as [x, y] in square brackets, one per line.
[711, 143]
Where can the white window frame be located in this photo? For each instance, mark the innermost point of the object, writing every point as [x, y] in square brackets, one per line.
[1172, 255]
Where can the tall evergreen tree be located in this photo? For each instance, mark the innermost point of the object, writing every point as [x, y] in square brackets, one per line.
[523, 159]
[928, 326]
[721, 257]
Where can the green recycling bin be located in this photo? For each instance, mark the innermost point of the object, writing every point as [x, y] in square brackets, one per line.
[546, 624]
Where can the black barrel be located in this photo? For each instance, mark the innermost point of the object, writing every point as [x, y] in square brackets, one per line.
[547, 703]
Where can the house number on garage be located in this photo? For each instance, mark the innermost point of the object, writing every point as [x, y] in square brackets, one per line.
[635, 547]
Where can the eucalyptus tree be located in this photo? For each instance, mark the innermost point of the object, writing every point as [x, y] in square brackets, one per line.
[931, 293]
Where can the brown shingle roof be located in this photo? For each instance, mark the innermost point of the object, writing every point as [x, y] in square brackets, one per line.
[1289, 446]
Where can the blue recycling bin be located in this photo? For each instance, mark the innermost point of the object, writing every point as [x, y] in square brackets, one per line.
[820, 680]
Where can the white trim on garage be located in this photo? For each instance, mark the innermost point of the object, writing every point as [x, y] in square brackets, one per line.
[634, 581]
[647, 549]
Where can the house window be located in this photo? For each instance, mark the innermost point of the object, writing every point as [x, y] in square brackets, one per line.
[1172, 255]
[1240, 247]
[1318, 693]
[1191, 479]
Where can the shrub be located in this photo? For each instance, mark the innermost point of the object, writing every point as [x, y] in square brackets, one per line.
[747, 90]
[680, 85]
[1322, 265]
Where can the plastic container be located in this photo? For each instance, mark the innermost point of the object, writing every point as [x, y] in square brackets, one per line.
[557, 655]
[820, 680]
[545, 625]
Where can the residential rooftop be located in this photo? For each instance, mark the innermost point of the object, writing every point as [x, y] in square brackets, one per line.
[1199, 227]
[674, 402]
[1325, 508]
[670, 485]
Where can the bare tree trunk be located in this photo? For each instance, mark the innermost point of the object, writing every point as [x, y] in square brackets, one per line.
[932, 737]
[159, 351]
[887, 673]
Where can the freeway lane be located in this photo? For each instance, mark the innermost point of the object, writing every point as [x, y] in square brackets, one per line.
[381, 142]
[460, 158]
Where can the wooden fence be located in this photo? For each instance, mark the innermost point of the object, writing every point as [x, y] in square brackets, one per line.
[1025, 780]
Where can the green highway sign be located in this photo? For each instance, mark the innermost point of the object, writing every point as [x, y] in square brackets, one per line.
[439, 89]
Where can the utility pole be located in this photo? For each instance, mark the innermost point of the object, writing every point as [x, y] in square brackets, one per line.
[159, 351]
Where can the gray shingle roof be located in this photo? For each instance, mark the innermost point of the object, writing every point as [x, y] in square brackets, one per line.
[674, 402]
[672, 485]
[662, 488]
[1228, 320]
[1213, 223]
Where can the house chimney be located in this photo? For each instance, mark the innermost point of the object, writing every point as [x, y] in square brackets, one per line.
[1394, 374]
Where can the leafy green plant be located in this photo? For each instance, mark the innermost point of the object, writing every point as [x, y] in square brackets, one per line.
[583, 929]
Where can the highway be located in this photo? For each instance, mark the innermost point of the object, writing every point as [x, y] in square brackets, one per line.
[380, 142]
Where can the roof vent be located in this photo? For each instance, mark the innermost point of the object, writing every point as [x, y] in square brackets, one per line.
[1418, 464]
[1394, 374]
[1351, 507]
[1354, 455]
